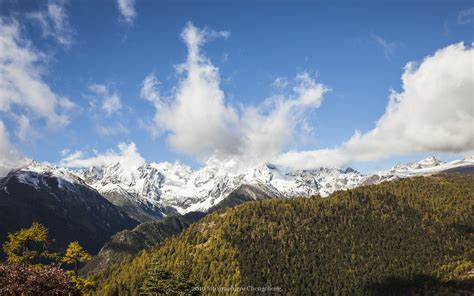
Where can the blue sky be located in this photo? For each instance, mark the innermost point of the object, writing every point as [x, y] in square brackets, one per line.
[357, 50]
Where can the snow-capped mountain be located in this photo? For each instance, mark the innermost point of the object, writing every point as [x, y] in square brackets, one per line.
[61, 201]
[169, 187]
[428, 166]
[155, 190]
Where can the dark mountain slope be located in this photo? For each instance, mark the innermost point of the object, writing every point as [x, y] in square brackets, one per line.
[397, 238]
[70, 209]
[243, 194]
[130, 242]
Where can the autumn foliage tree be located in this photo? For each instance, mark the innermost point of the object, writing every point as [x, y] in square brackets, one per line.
[28, 245]
[24, 275]
[75, 255]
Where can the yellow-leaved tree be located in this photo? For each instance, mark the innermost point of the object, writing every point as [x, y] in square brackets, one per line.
[76, 255]
[28, 245]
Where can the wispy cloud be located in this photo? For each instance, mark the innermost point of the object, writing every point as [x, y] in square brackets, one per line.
[106, 110]
[465, 16]
[127, 10]
[110, 101]
[388, 47]
[54, 21]
[115, 129]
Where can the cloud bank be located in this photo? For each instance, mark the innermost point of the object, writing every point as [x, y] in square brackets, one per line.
[199, 122]
[433, 112]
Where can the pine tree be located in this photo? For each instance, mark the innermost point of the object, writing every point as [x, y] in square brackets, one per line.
[158, 281]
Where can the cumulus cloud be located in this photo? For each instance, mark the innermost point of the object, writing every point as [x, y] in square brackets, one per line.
[54, 21]
[197, 118]
[267, 129]
[199, 122]
[433, 112]
[9, 156]
[127, 10]
[127, 155]
[110, 102]
[21, 80]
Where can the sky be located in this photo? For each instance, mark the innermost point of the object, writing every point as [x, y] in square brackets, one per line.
[300, 84]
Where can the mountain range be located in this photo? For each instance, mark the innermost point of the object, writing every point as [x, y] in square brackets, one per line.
[155, 190]
[91, 205]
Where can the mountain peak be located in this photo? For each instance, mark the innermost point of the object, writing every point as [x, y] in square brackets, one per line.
[430, 161]
[163, 188]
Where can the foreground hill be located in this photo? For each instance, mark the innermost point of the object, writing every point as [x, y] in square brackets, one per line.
[130, 242]
[397, 237]
[64, 203]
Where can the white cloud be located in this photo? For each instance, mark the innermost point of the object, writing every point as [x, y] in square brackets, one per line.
[267, 129]
[466, 16]
[197, 118]
[199, 122]
[434, 112]
[21, 80]
[54, 22]
[65, 152]
[127, 155]
[9, 156]
[388, 47]
[111, 102]
[127, 10]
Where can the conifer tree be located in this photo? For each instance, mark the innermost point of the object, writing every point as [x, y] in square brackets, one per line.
[76, 254]
[28, 245]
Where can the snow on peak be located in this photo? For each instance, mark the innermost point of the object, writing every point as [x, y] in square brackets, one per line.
[32, 174]
[178, 187]
[430, 161]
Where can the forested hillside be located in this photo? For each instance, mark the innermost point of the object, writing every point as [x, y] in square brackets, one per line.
[397, 237]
